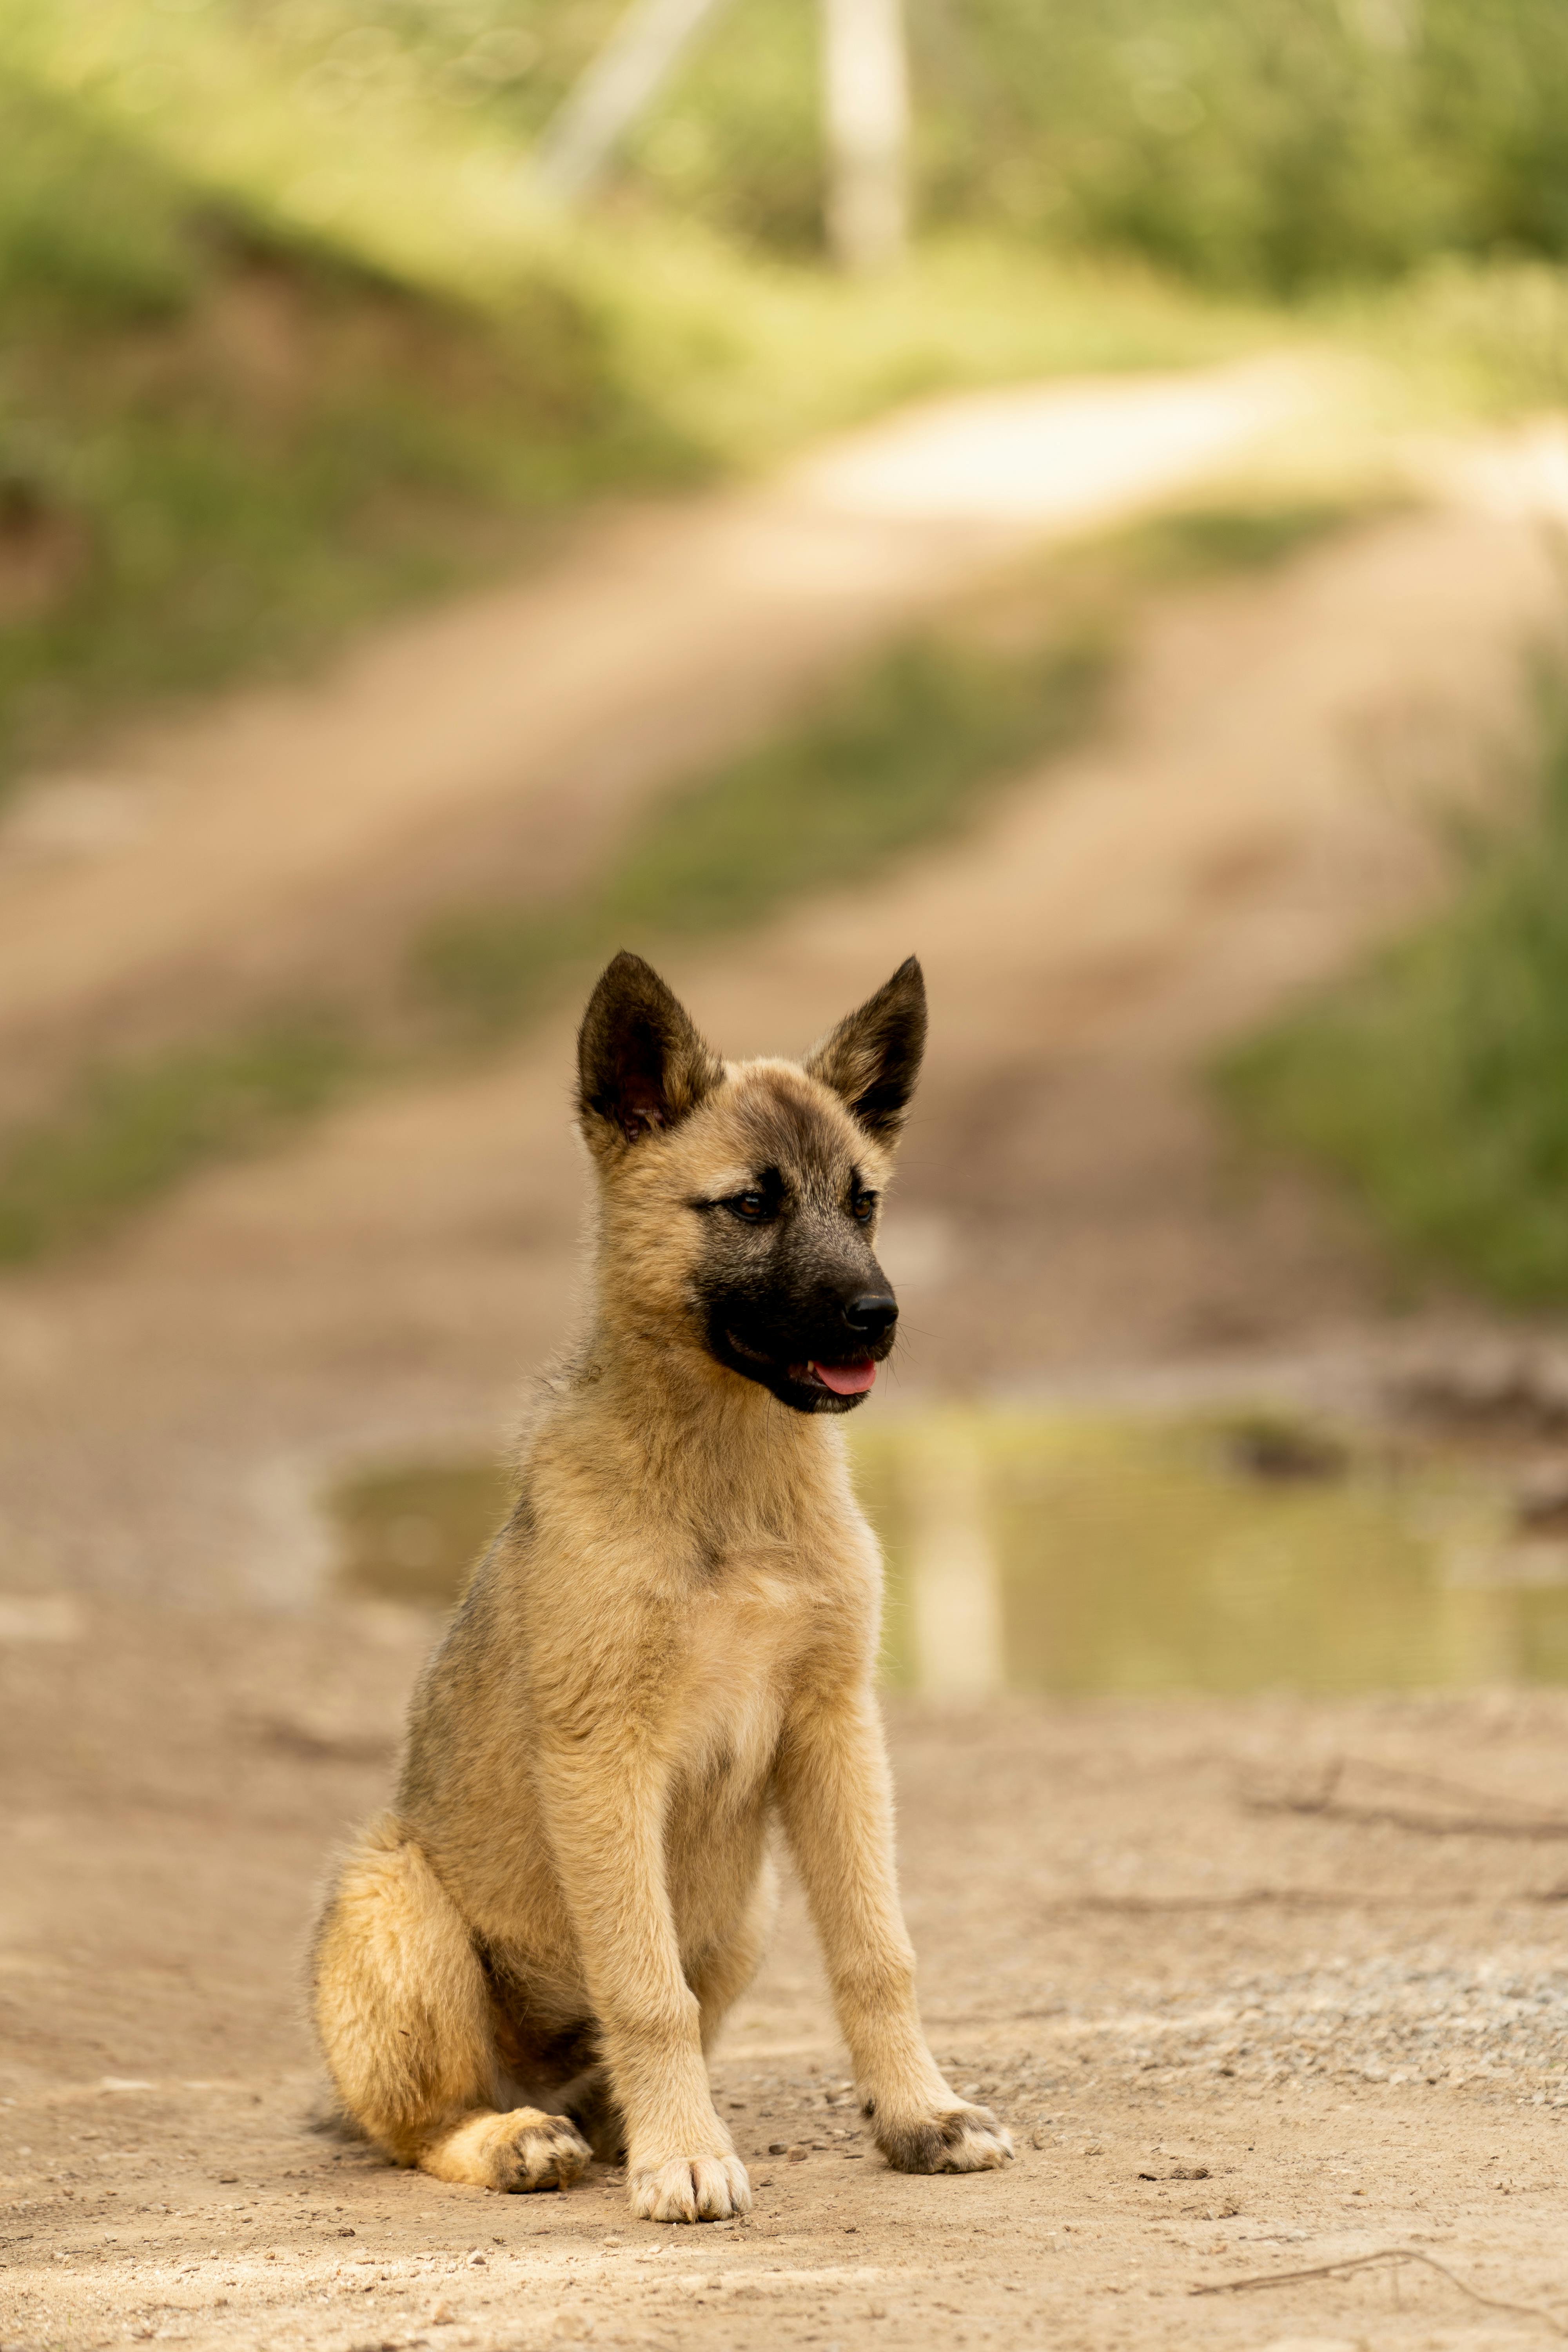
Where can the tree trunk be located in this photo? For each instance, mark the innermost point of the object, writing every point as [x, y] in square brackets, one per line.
[622, 82]
[867, 106]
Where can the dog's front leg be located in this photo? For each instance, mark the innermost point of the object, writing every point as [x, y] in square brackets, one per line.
[835, 1798]
[606, 1824]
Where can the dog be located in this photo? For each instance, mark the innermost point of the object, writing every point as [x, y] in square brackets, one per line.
[669, 1646]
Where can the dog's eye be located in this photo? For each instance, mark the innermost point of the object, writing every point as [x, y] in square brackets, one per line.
[752, 1206]
[863, 1208]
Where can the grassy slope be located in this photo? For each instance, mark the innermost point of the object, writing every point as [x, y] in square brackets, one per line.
[223, 436]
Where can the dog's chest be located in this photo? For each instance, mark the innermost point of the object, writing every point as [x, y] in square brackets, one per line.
[749, 1632]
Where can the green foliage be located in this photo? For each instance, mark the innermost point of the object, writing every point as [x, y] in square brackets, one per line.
[1434, 1081]
[1274, 144]
[222, 439]
[91, 232]
[1473, 338]
[898, 756]
[1193, 542]
[1268, 145]
[135, 1130]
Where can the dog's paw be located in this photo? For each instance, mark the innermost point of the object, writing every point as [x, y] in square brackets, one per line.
[690, 2188]
[522, 2150]
[956, 2139]
[529, 2150]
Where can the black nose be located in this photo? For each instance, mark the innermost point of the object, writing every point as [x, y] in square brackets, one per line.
[874, 1312]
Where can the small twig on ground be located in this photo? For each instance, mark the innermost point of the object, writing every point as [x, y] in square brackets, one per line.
[1520, 1807]
[1389, 2255]
[1512, 1819]
[1294, 1898]
[1391, 1817]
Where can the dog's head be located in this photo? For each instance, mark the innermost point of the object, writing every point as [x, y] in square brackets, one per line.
[741, 1201]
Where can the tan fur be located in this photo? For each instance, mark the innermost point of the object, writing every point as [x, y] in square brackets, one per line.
[671, 1646]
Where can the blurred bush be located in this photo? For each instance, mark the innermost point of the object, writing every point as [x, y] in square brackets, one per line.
[1279, 144]
[1262, 145]
[1258, 144]
[221, 433]
[1434, 1081]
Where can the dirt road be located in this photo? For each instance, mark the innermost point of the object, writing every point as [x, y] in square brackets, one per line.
[233, 853]
[1260, 805]
[1229, 2043]
[1229, 2040]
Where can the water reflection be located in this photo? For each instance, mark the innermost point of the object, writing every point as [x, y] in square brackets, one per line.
[1132, 1555]
[952, 1584]
[1078, 1553]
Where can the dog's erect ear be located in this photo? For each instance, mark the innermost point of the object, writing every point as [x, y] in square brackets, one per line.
[640, 1063]
[873, 1058]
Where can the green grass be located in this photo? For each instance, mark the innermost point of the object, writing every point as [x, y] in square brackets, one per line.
[1432, 1082]
[1463, 337]
[231, 431]
[901, 754]
[133, 1132]
[285, 342]
[1216, 537]
[225, 438]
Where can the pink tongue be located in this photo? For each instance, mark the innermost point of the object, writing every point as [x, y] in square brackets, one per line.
[847, 1380]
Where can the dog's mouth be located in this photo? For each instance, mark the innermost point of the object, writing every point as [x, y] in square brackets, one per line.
[854, 1380]
[830, 1388]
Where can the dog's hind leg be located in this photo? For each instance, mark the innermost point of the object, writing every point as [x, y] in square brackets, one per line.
[591, 2103]
[406, 2022]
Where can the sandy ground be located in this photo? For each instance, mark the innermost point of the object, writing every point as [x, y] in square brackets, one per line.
[1229, 2040]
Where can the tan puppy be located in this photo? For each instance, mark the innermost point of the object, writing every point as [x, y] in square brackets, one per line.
[670, 1645]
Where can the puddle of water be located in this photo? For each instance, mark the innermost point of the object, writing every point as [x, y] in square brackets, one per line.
[1075, 1553]
[412, 1531]
[1072, 1553]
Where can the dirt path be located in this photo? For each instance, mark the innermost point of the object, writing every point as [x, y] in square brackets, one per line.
[1230, 2043]
[1260, 805]
[233, 854]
